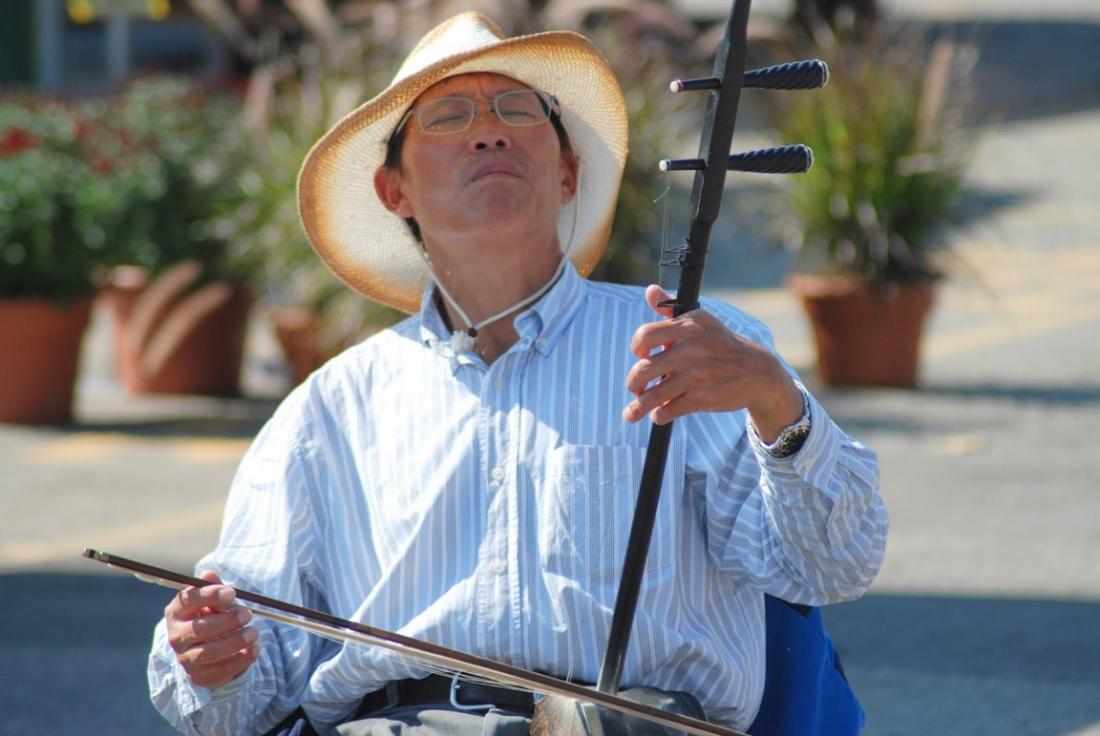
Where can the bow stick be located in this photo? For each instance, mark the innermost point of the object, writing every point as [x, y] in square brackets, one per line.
[728, 77]
[332, 627]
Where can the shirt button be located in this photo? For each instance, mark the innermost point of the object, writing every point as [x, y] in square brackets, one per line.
[499, 384]
[498, 473]
[498, 567]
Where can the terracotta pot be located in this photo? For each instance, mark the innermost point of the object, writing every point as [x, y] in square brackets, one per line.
[171, 338]
[40, 344]
[865, 334]
[298, 332]
[124, 285]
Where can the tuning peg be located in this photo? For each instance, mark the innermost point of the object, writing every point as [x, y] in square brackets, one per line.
[691, 85]
[681, 164]
[806, 74]
[796, 159]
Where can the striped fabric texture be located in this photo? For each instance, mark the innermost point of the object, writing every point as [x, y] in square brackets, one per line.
[487, 508]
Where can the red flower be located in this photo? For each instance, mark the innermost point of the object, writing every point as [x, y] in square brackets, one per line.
[103, 166]
[81, 129]
[15, 140]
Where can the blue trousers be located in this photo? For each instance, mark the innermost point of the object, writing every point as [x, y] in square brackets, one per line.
[805, 690]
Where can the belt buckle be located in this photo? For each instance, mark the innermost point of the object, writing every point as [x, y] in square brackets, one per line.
[461, 706]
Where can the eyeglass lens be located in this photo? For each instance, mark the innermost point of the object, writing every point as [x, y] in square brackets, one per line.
[520, 108]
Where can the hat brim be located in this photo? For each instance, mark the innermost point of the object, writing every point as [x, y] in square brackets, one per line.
[372, 250]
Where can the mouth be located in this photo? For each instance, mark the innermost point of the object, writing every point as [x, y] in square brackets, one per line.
[494, 171]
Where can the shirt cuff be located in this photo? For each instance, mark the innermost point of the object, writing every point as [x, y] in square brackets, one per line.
[814, 461]
[229, 689]
[168, 678]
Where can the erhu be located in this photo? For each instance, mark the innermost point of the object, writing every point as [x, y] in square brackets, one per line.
[555, 717]
[569, 708]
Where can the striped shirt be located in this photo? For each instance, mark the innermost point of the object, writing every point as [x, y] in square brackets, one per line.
[487, 507]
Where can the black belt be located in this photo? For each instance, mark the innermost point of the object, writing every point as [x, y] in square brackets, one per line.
[437, 689]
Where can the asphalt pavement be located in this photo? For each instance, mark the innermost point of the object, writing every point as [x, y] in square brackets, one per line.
[986, 616]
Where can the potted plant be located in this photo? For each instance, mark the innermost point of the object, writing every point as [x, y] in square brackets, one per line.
[870, 220]
[291, 101]
[67, 179]
[180, 297]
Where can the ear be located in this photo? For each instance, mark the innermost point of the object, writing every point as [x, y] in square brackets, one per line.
[389, 185]
[569, 167]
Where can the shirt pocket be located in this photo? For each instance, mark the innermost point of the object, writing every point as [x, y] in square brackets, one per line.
[586, 507]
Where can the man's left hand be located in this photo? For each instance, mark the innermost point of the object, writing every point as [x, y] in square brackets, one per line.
[705, 367]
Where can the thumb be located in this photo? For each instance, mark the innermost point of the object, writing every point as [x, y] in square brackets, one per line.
[226, 598]
[654, 295]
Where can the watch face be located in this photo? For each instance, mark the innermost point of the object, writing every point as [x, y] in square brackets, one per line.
[791, 440]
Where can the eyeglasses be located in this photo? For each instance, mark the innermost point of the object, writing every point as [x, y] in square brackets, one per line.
[519, 108]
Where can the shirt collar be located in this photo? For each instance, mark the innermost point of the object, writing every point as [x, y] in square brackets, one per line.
[539, 326]
[543, 323]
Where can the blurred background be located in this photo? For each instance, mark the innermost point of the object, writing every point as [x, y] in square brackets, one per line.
[933, 279]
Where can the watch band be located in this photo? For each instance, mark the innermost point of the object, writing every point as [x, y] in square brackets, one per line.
[793, 436]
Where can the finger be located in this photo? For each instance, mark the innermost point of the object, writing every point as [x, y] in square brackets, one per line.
[640, 375]
[224, 671]
[210, 653]
[654, 295]
[190, 602]
[664, 334]
[653, 335]
[667, 390]
[207, 627]
[649, 369]
[671, 410]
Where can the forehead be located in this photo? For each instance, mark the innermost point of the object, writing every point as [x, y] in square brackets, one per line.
[488, 84]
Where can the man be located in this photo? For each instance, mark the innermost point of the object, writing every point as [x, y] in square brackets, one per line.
[468, 477]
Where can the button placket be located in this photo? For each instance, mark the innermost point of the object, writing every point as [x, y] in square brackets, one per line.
[516, 490]
[485, 593]
[493, 579]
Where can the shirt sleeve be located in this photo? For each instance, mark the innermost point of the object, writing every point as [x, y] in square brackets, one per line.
[267, 544]
[809, 528]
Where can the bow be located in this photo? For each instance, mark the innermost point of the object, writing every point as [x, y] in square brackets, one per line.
[435, 656]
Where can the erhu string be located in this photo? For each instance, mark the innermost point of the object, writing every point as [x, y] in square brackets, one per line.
[663, 198]
[410, 661]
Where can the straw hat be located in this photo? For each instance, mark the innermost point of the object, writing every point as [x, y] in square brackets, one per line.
[370, 248]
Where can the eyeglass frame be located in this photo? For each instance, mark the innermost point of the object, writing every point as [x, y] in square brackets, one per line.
[553, 107]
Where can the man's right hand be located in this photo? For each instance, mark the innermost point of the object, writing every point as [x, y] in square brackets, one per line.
[211, 638]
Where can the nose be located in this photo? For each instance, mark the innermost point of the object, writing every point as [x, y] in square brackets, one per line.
[487, 130]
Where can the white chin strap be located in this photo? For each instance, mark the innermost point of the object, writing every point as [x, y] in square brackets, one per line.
[463, 340]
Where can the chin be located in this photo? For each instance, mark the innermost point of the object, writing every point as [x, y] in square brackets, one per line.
[504, 210]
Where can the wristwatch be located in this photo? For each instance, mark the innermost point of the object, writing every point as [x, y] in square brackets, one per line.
[793, 436]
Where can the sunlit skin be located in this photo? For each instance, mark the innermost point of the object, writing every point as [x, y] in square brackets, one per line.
[706, 368]
[212, 639]
[487, 202]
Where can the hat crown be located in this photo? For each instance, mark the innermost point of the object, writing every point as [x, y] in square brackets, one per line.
[369, 246]
[465, 32]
